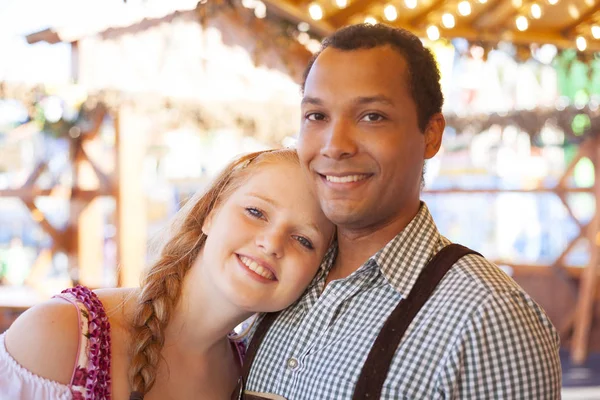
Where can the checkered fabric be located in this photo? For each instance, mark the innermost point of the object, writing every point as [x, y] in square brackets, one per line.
[480, 336]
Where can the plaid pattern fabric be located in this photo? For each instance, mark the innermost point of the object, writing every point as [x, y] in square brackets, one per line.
[478, 337]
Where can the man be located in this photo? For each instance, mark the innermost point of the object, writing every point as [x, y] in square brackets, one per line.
[371, 116]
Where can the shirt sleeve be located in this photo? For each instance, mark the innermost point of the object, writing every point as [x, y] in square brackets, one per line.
[19, 383]
[508, 349]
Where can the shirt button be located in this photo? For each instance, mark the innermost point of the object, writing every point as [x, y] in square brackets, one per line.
[292, 363]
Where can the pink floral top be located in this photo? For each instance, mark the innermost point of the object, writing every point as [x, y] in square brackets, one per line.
[91, 373]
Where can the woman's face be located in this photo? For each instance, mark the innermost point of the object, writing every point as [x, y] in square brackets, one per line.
[266, 241]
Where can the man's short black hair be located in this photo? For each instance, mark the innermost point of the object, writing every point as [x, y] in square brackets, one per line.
[424, 75]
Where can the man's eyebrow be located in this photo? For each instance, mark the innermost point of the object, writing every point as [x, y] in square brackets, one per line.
[373, 99]
[312, 100]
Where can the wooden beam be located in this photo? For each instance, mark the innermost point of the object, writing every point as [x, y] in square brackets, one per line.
[292, 13]
[488, 9]
[568, 30]
[340, 18]
[418, 19]
[498, 191]
[589, 278]
[46, 35]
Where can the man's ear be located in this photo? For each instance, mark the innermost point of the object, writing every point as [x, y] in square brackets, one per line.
[433, 135]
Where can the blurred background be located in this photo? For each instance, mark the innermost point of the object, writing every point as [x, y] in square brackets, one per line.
[113, 113]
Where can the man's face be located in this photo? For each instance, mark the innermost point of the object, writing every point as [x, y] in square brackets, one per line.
[360, 139]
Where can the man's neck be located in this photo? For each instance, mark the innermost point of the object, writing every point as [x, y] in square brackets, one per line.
[356, 246]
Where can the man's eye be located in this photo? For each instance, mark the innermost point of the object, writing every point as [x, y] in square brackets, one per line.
[372, 117]
[304, 242]
[254, 212]
[315, 117]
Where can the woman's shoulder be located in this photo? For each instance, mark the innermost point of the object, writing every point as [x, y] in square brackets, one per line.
[45, 340]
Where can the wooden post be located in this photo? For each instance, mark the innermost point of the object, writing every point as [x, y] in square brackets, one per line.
[130, 143]
[589, 278]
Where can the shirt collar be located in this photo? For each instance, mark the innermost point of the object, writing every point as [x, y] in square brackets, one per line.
[403, 258]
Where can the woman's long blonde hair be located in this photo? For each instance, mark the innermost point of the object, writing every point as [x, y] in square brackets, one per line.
[161, 285]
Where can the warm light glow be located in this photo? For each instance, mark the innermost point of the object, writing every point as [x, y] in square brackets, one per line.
[574, 11]
[448, 21]
[410, 4]
[341, 3]
[482, 1]
[433, 33]
[581, 43]
[464, 8]
[370, 20]
[315, 11]
[596, 31]
[536, 11]
[517, 3]
[552, 2]
[261, 10]
[522, 23]
[390, 12]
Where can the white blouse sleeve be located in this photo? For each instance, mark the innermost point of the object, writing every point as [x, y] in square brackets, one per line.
[18, 383]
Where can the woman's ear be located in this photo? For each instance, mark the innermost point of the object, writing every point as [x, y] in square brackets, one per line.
[207, 223]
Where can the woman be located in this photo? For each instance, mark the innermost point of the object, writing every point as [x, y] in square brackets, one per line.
[251, 243]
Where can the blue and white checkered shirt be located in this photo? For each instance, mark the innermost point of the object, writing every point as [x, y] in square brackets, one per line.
[480, 336]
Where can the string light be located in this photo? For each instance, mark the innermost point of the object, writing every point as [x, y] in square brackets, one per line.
[536, 11]
[574, 11]
[370, 20]
[596, 31]
[315, 11]
[522, 23]
[581, 43]
[412, 4]
[433, 33]
[390, 12]
[448, 21]
[341, 3]
[464, 8]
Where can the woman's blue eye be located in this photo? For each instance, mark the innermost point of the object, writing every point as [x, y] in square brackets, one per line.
[255, 212]
[304, 242]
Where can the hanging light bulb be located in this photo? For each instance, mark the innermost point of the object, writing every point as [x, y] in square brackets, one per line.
[390, 13]
[536, 11]
[464, 8]
[410, 4]
[522, 23]
[341, 3]
[315, 11]
[433, 33]
[448, 21]
[596, 31]
[581, 43]
[370, 20]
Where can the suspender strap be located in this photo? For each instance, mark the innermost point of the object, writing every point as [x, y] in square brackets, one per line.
[377, 365]
[257, 339]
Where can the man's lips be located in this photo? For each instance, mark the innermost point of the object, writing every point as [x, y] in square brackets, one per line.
[346, 178]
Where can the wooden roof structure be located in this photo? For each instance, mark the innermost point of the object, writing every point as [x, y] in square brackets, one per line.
[557, 22]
